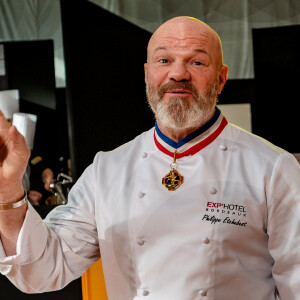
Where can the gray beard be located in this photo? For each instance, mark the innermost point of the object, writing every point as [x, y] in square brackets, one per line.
[179, 113]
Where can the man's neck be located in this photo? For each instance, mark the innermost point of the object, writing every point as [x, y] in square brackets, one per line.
[177, 135]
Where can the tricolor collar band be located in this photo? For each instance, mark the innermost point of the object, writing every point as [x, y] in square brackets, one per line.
[194, 142]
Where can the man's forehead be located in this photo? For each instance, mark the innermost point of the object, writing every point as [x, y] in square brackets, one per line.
[172, 43]
[183, 48]
[183, 32]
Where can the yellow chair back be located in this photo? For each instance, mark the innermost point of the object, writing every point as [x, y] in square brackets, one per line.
[93, 285]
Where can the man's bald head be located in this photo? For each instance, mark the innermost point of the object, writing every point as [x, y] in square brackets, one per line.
[184, 74]
[187, 28]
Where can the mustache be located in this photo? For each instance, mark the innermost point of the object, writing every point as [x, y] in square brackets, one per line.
[178, 85]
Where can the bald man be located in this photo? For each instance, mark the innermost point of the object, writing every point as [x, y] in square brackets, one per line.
[195, 208]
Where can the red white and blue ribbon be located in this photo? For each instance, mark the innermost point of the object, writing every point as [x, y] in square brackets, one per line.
[194, 142]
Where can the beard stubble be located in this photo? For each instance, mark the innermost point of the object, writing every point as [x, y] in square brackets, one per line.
[182, 112]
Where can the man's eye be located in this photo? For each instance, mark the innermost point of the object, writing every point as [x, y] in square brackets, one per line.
[197, 63]
[163, 61]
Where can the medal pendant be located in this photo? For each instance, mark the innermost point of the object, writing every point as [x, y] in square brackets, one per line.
[172, 180]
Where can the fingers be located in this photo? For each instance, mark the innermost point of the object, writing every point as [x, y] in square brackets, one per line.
[3, 122]
[14, 155]
[13, 148]
[19, 142]
[13, 133]
[16, 136]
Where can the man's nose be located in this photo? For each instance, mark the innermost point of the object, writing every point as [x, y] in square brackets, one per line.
[179, 72]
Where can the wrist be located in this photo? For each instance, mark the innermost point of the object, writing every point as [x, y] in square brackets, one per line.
[17, 203]
[11, 194]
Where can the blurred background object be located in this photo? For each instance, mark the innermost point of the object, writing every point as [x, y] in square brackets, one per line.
[26, 123]
[9, 103]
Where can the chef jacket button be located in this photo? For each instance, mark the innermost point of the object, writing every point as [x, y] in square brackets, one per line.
[144, 155]
[202, 293]
[140, 242]
[145, 292]
[141, 195]
[223, 147]
[213, 190]
[206, 240]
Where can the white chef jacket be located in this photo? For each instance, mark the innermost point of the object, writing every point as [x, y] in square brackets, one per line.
[231, 231]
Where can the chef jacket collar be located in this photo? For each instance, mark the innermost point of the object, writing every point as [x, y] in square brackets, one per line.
[194, 142]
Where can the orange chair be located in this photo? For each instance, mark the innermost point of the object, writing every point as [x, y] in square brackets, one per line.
[93, 285]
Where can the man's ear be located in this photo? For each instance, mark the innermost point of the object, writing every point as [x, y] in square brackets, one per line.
[145, 71]
[223, 76]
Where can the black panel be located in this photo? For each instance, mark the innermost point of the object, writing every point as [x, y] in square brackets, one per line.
[30, 69]
[60, 136]
[51, 138]
[238, 91]
[275, 111]
[3, 83]
[10, 292]
[105, 80]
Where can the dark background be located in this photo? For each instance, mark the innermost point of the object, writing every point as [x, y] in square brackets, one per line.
[106, 100]
[104, 103]
[276, 106]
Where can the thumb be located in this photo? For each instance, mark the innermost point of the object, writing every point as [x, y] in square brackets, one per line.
[18, 144]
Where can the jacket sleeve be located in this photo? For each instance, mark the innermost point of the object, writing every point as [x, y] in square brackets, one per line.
[53, 252]
[283, 196]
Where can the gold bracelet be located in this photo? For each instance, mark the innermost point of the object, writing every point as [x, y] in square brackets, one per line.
[7, 206]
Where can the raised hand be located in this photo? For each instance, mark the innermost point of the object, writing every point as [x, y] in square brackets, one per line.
[14, 155]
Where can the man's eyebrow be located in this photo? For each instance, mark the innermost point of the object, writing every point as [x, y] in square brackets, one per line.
[159, 48]
[200, 51]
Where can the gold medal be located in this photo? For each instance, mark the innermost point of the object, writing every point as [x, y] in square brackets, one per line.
[173, 179]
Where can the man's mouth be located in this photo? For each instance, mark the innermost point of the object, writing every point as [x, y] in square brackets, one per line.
[178, 91]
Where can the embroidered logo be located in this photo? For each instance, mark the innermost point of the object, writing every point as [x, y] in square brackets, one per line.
[226, 213]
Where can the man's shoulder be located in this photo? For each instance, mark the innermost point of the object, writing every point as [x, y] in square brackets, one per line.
[246, 140]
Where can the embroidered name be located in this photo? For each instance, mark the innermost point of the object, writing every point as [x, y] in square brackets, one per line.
[213, 220]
